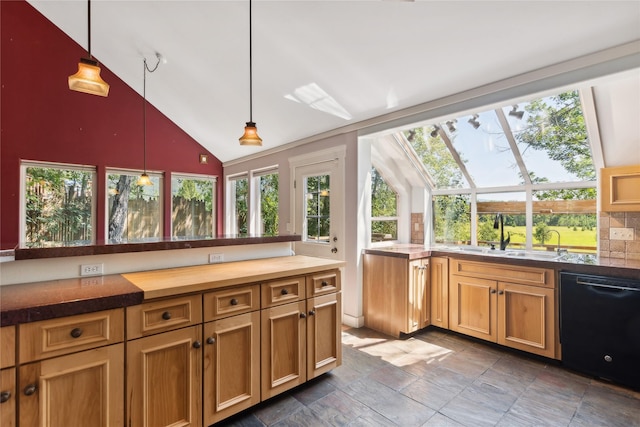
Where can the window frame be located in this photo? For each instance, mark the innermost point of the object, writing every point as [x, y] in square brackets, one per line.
[397, 218]
[214, 196]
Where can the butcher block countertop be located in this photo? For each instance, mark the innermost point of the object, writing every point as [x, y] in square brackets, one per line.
[30, 302]
[175, 281]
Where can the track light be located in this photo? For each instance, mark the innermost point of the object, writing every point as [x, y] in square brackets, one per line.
[434, 132]
[474, 121]
[451, 125]
[515, 113]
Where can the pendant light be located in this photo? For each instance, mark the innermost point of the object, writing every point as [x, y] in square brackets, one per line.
[144, 178]
[250, 136]
[87, 79]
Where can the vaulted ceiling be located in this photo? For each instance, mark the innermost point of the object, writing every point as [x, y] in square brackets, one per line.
[323, 65]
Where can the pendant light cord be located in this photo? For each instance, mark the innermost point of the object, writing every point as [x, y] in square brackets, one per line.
[144, 105]
[89, 26]
[250, 70]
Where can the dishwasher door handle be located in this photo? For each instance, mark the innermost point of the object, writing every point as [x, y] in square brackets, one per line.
[610, 288]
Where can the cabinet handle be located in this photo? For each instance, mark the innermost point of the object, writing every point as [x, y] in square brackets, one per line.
[324, 283]
[302, 315]
[197, 344]
[284, 292]
[493, 291]
[4, 396]
[234, 301]
[166, 315]
[312, 312]
[76, 332]
[500, 292]
[211, 340]
[30, 389]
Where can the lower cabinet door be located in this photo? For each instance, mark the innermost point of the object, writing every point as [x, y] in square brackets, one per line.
[472, 307]
[324, 349]
[164, 379]
[231, 366]
[8, 397]
[80, 389]
[283, 348]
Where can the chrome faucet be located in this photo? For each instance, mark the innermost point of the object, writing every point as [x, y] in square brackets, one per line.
[558, 250]
[498, 223]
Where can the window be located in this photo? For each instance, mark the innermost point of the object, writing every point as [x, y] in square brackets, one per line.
[530, 162]
[134, 211]
[318, 218]
[238, 204]
[384, 209]
[58, 205]
[192, 206]
[267, 212]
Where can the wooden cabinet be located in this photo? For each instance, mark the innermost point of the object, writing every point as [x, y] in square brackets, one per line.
[231, 352]
[619, 189]
[439, 284]
[164, 362]
[301, 339]
[512, 305]
[71, 371]
[396, 294]
[8, 397]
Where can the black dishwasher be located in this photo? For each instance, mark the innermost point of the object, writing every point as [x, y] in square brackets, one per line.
[600, 326]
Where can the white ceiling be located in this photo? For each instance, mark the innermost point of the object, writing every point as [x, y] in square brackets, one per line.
[371, 57]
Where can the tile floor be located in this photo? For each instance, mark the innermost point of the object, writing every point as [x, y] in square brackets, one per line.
[438, 378]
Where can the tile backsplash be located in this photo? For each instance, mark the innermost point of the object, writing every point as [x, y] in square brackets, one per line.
[417, 228]
[628, 249]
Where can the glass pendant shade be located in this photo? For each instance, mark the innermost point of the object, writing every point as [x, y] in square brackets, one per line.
[144, 180]
[250, 136]
[88, 80]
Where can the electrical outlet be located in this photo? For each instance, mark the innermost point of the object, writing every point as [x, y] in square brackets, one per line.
[620, 233]
[91, 269]
[214, 258]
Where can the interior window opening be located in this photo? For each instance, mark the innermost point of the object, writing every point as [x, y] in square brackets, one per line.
[58, 205]
[134, 210]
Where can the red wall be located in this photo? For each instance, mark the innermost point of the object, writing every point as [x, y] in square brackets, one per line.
[41, 119]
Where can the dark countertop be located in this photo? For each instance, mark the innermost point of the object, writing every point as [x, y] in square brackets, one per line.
[105, 249]
[572, 262]
[30, 302]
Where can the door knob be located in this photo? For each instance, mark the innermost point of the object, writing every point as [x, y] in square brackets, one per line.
[334, 250]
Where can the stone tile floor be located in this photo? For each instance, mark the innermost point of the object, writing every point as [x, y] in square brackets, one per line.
[438, 378]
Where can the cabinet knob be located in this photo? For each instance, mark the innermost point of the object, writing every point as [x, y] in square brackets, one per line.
[4, 396]
[312, 312]
[493, 291]
[500, 292]
[30, 389]
[284, 292]
[302, 315]
[166, 315]
[76, 332]
[234, 301]
[211, 340]
[324, 283]
[197, 344]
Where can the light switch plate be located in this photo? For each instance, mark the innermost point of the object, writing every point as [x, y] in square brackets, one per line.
[620, 233]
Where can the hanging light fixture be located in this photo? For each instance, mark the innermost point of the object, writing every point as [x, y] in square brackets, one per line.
[144, 178]
[473, 121]
[435, 130]
[250, 136]
[515, 113]
[87, 79]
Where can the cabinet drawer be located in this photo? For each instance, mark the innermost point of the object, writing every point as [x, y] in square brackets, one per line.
[164, 315]
[504, 273]
[278, 292]
[224, 303]
[7, 346]
[322, 283]
[54, 337]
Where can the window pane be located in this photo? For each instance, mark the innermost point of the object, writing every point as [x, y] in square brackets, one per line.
[566, 220]
[191, 207]
[452, 219]
[506, 210]
[241, 193]
[58, 207]
[384, 209]
[384, 230]
[135, 211]
[436, 158]
[317, 197]
[269, 204]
